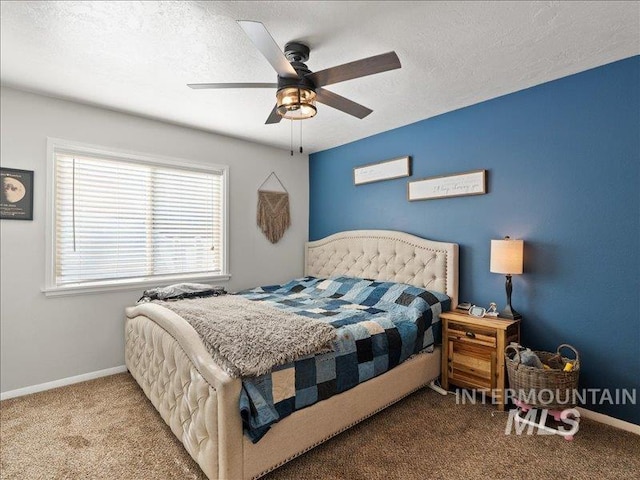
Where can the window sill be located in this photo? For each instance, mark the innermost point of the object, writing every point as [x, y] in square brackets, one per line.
[133, 284]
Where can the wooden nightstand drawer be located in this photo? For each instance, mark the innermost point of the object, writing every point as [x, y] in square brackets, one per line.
[474, 334]
[471, 365]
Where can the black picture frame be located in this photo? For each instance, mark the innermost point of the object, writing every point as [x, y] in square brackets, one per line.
[16, 194]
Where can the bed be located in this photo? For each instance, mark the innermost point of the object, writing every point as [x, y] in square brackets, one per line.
[199, 401]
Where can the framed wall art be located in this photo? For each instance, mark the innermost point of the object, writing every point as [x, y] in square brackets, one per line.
[384, 170]
[453, 185]
[16, 196]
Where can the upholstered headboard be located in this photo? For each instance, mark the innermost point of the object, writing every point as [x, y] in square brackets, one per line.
[386, 255]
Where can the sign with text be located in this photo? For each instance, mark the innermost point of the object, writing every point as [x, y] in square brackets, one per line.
[443, 186]
[386, 170]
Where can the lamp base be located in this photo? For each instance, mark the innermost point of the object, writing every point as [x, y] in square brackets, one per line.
[510, 313]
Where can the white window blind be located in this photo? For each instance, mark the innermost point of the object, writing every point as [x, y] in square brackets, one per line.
[123, 220]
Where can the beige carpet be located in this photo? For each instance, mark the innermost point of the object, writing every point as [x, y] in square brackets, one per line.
[107, 429]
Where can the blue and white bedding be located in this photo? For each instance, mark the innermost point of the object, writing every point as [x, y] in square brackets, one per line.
[378, 325]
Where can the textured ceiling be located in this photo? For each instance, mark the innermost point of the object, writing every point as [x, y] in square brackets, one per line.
[138, 56]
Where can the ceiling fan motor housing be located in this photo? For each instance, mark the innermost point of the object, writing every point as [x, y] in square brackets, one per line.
[297, 53]
[301, 81]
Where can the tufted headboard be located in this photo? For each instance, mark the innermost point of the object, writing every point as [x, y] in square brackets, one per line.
[388, 256]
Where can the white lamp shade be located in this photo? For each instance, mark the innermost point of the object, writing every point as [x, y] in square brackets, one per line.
[506, 256]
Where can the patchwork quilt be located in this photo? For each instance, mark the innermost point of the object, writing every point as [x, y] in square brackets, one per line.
[378, 325]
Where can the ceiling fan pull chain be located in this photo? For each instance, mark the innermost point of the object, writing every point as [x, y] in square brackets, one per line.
[291, 142]
[300, 137]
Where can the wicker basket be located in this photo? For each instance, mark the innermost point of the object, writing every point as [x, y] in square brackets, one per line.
[552, 389]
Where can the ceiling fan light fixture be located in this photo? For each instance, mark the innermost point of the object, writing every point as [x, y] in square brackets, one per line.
[296, 103]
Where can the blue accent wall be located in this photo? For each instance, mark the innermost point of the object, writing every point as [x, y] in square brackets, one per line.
[563, 162]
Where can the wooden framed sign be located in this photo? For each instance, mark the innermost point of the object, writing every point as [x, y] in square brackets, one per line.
[385, 170]
[443, 186]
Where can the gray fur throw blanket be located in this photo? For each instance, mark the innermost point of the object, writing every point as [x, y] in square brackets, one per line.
[248, 338]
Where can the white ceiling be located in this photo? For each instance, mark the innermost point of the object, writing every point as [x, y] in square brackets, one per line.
[138, 57]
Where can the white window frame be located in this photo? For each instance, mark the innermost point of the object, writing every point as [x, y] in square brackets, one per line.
[57, 145]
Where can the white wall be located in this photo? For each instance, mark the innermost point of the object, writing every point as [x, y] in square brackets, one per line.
[45, 339]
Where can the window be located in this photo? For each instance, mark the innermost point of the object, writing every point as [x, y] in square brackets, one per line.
[122, 218]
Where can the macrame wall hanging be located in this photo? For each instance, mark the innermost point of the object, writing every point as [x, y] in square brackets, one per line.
[273, 211]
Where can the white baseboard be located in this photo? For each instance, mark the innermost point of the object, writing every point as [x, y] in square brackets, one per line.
[607, 420]
[62, 382]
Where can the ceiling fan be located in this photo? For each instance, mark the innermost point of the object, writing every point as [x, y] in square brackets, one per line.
[298, 88]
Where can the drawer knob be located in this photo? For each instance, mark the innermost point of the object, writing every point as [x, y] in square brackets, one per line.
[470, 334]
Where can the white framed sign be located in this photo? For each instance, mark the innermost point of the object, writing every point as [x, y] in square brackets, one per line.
[385, 170]
[443, 186]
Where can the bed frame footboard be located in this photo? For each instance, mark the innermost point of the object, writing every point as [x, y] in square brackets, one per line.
[195, 398]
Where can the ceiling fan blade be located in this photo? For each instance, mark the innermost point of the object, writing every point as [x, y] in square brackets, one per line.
[274, 116]
[197, 86]
[263, 40]
[341, 103]
[357, 69]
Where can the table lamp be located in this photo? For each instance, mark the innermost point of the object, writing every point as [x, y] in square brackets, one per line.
[506, 258]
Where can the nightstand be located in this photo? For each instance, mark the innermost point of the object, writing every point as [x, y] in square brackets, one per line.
[473, 352]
